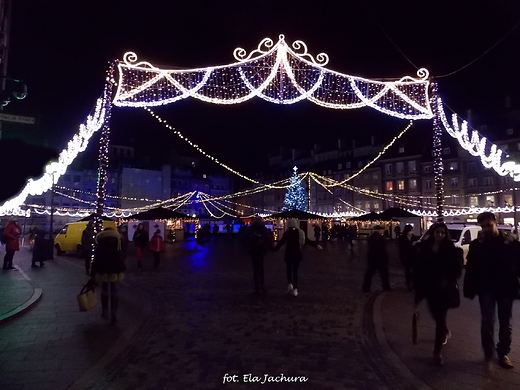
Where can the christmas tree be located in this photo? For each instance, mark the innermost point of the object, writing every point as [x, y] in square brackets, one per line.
[295, 197]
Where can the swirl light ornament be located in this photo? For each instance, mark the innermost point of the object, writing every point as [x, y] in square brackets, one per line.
[477, 145]
[275, 72]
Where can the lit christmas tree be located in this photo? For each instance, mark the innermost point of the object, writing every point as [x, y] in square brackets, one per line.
[295, 197]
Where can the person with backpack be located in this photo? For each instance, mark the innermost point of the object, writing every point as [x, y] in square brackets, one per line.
[259, 241]
[156, 247]
[295, 238]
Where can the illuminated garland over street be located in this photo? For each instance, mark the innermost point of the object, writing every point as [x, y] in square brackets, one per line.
[276, 73]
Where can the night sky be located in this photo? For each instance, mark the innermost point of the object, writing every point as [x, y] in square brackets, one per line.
[61, 50]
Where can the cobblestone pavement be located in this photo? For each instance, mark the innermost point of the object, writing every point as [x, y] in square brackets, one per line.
[205, 322]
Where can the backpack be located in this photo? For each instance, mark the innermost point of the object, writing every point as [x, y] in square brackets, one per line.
[256, 242]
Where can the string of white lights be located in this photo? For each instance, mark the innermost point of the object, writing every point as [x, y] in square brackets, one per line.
[55, 169]
[277, 73]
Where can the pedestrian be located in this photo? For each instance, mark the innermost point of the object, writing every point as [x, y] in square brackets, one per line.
[40, 249]
[397, 231]
[295, 238]
[258, 240]
[140, 239]
[214, 230]
[32, 236]
[87, 244]
[156, 247]
[324, 233]
[10, 237]
[436, 269]
[108, 269]
[317, 232]
[492, 271]
[350, 236]
[407, 253]
[123, 235]
[377, 259]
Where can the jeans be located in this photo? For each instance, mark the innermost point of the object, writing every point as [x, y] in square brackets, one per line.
[8, 259]
[488, 302]
[292, 272]
[258, 271]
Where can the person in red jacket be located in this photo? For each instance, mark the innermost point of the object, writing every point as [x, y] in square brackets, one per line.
[11, 235]
[156, 246]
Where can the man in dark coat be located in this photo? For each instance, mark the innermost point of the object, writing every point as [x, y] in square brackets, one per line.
[377, 259]
[87, 244]
[492, 271]
[258, 240]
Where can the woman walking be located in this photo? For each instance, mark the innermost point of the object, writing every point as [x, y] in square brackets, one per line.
[107, 268]
[156, 247]
[435, 273]
[295, 238]
[140, 239]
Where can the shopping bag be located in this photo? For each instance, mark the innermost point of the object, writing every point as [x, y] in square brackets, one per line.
[415, 316]
[87, 298]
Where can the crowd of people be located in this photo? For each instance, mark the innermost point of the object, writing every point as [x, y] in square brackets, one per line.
[432, 267]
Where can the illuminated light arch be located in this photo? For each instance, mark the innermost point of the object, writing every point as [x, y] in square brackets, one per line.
[277, 73]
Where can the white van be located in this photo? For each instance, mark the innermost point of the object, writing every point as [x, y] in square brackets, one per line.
[462, 235]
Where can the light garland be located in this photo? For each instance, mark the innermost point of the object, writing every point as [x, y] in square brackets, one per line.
[57, 168]
[276, 73]
[476, 145]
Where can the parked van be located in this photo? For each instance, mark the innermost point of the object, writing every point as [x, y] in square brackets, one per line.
[69, 238]
[462, 235]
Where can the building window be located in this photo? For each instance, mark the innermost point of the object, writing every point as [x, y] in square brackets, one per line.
[340, 166]
[400, 184]
[428, 184]
[509, 131]
[490, 200]
[412, 166]
[508, 200]
[358, 204]
[360, 164]
[375, 176]
[472, 167]
[455, 200]
[376, 205]
[447, 151]
[454, 181]
[401, 149]
[472, 182]
[428, 169]
[388, 168]
[389, 185]
[488, 181]
[399, 167]
[367, 205]
[453, 166]
[412, 183]
[348, 165]
[473, 201]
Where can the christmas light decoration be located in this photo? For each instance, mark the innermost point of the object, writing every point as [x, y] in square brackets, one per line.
[57, 168]
[477, 145]
[438, 166]
[277, 73]
[295, 197]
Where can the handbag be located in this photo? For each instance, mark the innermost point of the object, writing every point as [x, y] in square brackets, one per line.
[87, 297]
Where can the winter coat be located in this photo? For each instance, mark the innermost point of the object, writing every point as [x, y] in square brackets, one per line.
[293, 238]
[141, 238]
[157, 243]
[258, 240]
[107, 256]
[41, 247]
[493, 265]
[406, 250]
[12, 233]
[377, 253]
[435, 272]
[87, 240]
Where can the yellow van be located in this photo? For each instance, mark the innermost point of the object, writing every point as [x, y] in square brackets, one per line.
[69, 238]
